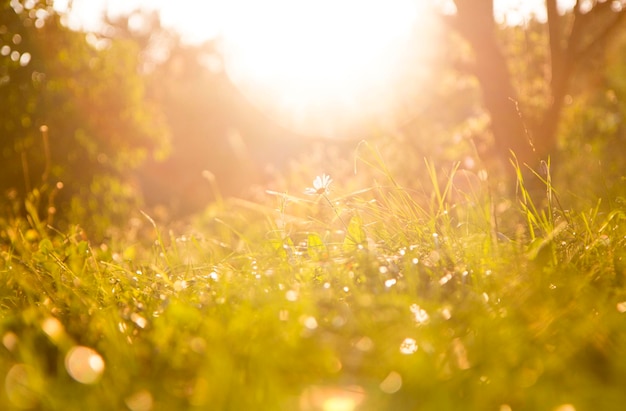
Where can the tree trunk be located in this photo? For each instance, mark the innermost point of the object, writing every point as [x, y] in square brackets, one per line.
[474, 22]
[589, 32]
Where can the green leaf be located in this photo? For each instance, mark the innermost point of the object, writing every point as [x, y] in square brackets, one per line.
[45, 246]
[283, 248]
[316, 248]
[356, 235]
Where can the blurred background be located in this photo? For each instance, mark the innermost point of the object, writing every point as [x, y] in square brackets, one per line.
[108, 107]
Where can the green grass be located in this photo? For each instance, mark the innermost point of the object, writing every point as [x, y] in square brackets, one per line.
[385, 298]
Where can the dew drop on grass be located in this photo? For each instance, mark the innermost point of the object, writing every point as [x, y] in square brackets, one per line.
[408, 346]
[140, 321]
[291, 295]
[84, 364]
[383, 269]
[415, 260]
[444, 280]
[390, 283]
[420, 315]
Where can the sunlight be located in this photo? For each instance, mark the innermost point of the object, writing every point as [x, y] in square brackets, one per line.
[317, 67]
[321, 68]
[332, 398]
[312, 63]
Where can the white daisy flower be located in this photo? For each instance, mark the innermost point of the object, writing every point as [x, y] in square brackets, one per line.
[321, 185]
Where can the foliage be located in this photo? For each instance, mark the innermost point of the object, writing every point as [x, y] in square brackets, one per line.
[595, 129]
[538, 68]
[384, 298]
[73, 108]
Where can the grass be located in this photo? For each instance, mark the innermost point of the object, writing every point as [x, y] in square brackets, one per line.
[384, 298]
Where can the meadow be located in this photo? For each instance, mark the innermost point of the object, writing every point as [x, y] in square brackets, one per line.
[446, 296]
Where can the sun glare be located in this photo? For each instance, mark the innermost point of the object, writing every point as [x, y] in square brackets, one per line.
[314, 65]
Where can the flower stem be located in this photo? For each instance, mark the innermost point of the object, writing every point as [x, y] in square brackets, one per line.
[336, 212]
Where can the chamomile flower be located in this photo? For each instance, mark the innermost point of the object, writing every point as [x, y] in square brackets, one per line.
[321, 185]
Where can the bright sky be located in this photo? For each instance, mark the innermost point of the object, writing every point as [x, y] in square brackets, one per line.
[308, 63]
[207, 21]
[197, 20]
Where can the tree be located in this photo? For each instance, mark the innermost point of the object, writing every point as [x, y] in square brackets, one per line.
[527, 128]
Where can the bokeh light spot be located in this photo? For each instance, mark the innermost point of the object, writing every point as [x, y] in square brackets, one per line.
[392, 383]
[53, 328]
[18, 385]
[84, 364]
[140, 401]
[420, 315]
[331, 398]
[408, 346]
[10, 340]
